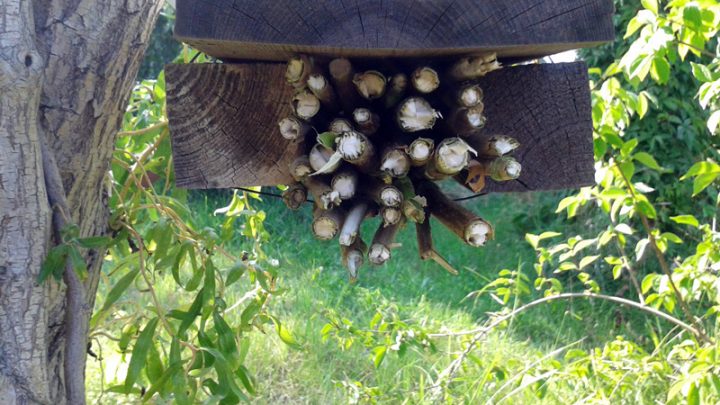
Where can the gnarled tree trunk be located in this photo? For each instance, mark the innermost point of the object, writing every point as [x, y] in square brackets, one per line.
[66, 70]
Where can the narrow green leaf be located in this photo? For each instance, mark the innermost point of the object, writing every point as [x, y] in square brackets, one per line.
[651, 5]
[54, 263]
[647, 159]
[703, 181]
[380, 352]
[139, 354]
[119, 288]
[686, 220]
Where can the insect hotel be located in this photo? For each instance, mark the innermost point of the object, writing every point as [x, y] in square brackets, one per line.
[363, 107]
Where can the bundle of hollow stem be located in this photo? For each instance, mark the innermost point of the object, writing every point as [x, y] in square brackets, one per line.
[377, 140]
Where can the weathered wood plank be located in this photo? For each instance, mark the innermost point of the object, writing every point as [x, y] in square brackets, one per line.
[223, 123]
[275, 30]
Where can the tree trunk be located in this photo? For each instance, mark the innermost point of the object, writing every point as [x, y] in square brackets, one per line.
[66, 70]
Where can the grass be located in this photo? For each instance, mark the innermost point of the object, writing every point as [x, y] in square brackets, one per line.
[419, 293]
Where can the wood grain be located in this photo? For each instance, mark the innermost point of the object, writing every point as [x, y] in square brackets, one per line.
[275, 30]
[223, 123]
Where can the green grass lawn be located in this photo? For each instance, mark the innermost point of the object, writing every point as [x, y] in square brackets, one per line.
[419, 293]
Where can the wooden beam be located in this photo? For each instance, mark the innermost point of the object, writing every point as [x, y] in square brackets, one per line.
[223, 123]
[275, 30]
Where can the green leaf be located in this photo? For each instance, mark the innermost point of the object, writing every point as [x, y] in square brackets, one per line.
[624, 228]
[671, 237]
[651, 5]
[95, 242]
[647, 160]
[244, 375]
[700, 168]
[284, 334]
[703, 181]
[660, 70]
[701, 72]
[119, 288]
[713, 122]
[78, 262]
[586, 261]
[139, 354]
[645, 208]
[160, 382]
[327, 139]
[235, 273]
[686, 220]
[648, 282]
[379, 356]
[54, 263]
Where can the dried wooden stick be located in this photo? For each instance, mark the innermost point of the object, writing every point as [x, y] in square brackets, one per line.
[416, 114]
[370, 84]
[355, 148]
[340, 126]
[298, 70]
[351, 227]
[427, 250]
[396, 90]
[472, 68]
[413, 205]
[474, 230]
[496, 146]
[341, 74]
[467, 120]
[305, 105]
[395, 161]
[391, 215]
[420, 151]
[325, 197]
[345, 182]
[353, 257]
[320, 156]
[451, 156]
[504, 168]
[383, 242]
[425, 80]
[321, 88]
[300, 168]
[386, 195]
[293, 128]
[295, 196]
[327, 223]
[367, 121]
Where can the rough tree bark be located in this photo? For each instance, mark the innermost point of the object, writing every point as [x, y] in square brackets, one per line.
[66, 70]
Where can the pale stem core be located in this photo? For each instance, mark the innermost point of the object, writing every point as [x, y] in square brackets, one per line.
[476, 118]
[453, 156]
[302, 171]
[325, 228]
[477, 233]
[420, 151]
[396, 163]
[330, 199]
[362, 115]
[391, 216]
[504, 145]
[513, 169]
[471, 96]
[352, 146]
[416, 114]
[352, 224]
[354, 262]
[306, 105]
[370, 85]
[340, 126]
[295, 69]
[379, 254]
[391, 197]
[317, 82]
[426, 80]
[399, 82]
[319, 157]
[290, 128]
[345, 185]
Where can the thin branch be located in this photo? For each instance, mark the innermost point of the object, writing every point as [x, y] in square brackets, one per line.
[143, 131]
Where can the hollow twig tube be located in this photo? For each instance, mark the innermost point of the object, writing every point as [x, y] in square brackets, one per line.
[355, 148]
[504, 168]
[383, 194]
[321, 88]
[383, 242]
[320, 156]
[295, 196]
[396, 88]
[391, 215]
[468, 95]
[416, 114]
[300, 168]
[325, 197]
[354, 219]
[420, 151]
[474, 230]
[327, 223]
[340, 126]
[353, 257]
[345, 182]
[451, 156]
[367, 121]
[298, 70]
[293, 128]
[467, 121]
[496, 146]
[341, 75]
[413, 205]
[305, 105]
[427, 250]
[395, 161]
[371, 84]
[475, 67]
[425, 80]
